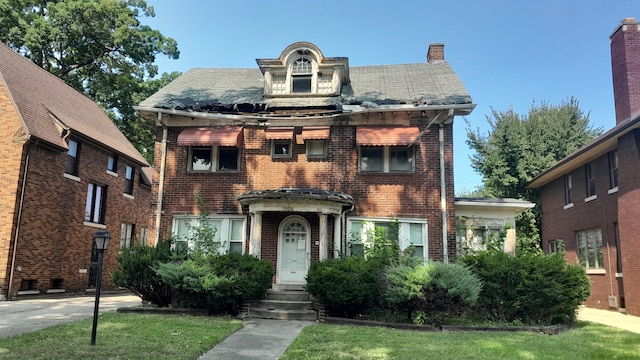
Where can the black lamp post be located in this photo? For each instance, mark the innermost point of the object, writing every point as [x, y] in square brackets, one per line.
[101, 239]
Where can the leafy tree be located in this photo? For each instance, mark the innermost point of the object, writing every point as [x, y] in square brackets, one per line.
[97, 46]
[519, 147]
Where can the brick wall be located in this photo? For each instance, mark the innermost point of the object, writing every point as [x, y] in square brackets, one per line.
[55, 243]
[561, 223]
[625, 67]
[415, 195]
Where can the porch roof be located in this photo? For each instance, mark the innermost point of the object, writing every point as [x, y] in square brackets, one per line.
[296, 194]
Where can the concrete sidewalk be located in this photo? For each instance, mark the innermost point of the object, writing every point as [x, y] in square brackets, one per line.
[610, 318]
[259, 339]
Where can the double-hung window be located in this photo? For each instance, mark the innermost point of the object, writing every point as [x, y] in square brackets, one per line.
[590, 174]
[112, 164]
[406, 233]
[96, 204]
[128, 182]
[213, 158]
[613, 169]
[73, 156]
[568, 189]
[301, 75]
[127, 232]
[227, 231]
[590, 249]
[386, 159]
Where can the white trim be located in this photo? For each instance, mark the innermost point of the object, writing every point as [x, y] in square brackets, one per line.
[618, 275]
[596, 271]
[283, 223]
[112, 173]
[568, 206]
[224, 229]
[403, 231]
[590, 198]
[613, 190]
[29, 292]
[55, 291]
[95, 225]
[71, 177]
[128, 196]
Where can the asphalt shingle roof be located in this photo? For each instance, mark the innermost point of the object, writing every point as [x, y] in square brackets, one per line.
[422, 83]
[40, 96]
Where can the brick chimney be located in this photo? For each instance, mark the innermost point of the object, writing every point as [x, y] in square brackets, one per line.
[625, 68]
[436, 53]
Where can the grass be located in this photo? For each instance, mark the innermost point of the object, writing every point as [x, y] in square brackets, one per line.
[588, 341]
[123, 336]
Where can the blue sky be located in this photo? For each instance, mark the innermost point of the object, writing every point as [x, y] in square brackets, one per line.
[507, 53]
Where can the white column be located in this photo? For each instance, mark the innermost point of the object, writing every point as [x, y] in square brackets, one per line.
[255, 241]
[324, 243]
[337, 236]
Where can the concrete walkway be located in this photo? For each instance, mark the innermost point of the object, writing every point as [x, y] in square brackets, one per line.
[610, 318]
[258, 339]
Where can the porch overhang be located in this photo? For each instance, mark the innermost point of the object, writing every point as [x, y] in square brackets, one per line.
[297, 200]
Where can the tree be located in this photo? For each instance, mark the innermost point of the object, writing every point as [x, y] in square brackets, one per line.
[97, 46]
[519, 147]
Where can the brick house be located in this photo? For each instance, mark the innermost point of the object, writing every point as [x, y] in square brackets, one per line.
[298, 158]
[66, 172]
[590, 198]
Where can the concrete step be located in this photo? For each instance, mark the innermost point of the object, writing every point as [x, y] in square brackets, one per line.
[287, 295]
[287, 287]
[286, 305]
[262, 313]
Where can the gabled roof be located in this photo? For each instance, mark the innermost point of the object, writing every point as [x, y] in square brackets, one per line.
[421, 84]
[598, 147]
[47, 105]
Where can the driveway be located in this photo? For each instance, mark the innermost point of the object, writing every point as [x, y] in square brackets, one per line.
[21, 316]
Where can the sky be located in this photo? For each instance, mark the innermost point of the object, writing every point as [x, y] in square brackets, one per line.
[508, 53]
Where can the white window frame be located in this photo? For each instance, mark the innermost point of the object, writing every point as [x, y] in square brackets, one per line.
[129, 176]
[583, 252]
[127, 235]
[404, 232]
[386, 159]
[96, 204]
[613, 171]
[223, 234]
[214, 152]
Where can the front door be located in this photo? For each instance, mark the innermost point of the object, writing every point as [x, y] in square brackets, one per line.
[293, 250]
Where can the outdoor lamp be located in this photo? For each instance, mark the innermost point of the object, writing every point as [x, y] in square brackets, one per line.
[101, 240]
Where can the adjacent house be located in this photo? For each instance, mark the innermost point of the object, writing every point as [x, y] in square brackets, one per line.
[590, 198]
[67, 171]
[298, 158]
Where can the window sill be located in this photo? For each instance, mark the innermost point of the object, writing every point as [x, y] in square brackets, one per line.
[568, 206]
[613, 190]
[596, 271]
[55, 291]
[128, 196]
[618, 275]
[95, 225]
[591, 198]
[29, 292]
[71, 177]
[112, 173]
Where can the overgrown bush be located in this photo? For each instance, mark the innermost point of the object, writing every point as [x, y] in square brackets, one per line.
[529, 288]
[137, 272]
[431, 292]
[345, 286]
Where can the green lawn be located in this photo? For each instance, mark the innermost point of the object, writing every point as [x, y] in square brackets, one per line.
[589, 341]
[123, 336]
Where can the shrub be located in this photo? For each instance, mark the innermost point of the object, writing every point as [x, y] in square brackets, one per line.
[345, 286]
[529, 288]
[431, 291]
[136, 272]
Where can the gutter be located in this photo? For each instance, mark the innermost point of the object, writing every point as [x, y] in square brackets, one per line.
[163, 161]
[443, 198]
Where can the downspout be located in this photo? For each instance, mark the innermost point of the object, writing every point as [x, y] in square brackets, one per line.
[443, 198]
[15, 239]
[162, 175]
[343, 219]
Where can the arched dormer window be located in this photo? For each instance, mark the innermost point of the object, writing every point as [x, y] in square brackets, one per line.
[301, 76]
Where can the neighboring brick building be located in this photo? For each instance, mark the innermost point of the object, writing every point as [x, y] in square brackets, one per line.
[66, 172]
[295, 156]
[590, 198]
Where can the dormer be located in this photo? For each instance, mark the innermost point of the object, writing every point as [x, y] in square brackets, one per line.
[302, 70]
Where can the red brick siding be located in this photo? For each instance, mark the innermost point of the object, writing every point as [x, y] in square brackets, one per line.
[414, 195]
[625, 66]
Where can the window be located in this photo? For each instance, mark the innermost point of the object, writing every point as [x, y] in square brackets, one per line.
[613, 169]
[568, 189]
[73, 155]
[127, 232]
[301, 74]
[216, 158]
[616, 233]
[143, 235]
[129, 176]
[316, 148]
[229, 232]
[279, 84]
[555, 246]
[96, 204]
[386, 159]
[280, 148]
[112, 164]
[325, 83]
[590, 249]
[590, 170]
[472, 238]
[406, 233]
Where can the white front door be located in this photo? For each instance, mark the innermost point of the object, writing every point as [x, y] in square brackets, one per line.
[293, 250]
